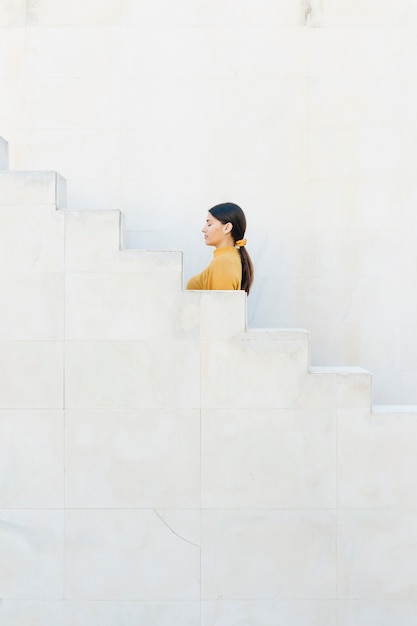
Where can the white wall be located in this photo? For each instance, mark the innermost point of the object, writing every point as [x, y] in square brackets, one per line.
[162, 465]
[304, 112]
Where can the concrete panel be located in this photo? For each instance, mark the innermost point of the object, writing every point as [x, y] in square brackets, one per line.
[269, 613]
[92, 13]
[31, 374]
[81, 61]
[261, 52]
[339, 52]
[92, 240]
[223, 314]
[354, 388]
[274, 153]
[32, 546]
[146, 98]
[31, 459]
[31, 239]
[377, 464]
[254, 370]
[142, 149]
[128, 306]
[129, 555]
[132, 374]
[379, 153]
[377, 554]
[35, 613]
[331, 154]
[12, 108]
[282, 13]
[160, 52]
[12, 48]
[164, 13]
[13, 13]
[407, 46]
[105, 613]
[130, 459]
[246, 102]
[408, 151]
[34, 308]
[255, 459]
[258, 555]
[377, 613]
[369, 14]
[332, 387]
[95, 103]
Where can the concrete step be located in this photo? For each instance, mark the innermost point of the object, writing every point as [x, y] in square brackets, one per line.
[32, 188]
[4, 154]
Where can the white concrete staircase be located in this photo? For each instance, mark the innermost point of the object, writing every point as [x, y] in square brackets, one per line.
[162, 464]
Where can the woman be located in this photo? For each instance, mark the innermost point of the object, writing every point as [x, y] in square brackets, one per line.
[231, 267]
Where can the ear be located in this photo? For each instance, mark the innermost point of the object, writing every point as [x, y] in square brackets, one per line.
[228, 228]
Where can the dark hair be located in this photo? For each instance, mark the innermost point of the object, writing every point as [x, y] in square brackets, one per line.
[230, 212]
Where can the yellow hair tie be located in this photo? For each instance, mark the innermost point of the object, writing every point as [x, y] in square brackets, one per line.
[241, 243]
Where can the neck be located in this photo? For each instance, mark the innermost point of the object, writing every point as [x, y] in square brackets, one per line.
[227, 242]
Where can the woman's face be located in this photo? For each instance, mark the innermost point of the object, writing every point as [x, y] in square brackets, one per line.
[215, 233]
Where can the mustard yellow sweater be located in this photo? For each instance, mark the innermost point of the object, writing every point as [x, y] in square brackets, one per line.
[224, 272]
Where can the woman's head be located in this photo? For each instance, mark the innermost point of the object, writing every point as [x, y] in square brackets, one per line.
[234, 220]
[230, 213]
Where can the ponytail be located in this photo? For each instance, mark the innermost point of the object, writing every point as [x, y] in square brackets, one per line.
[247, 269]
